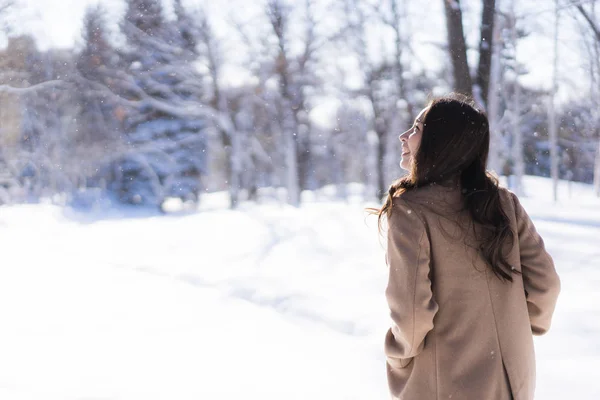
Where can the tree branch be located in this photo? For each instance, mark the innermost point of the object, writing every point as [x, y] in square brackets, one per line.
[590, 21]
[32, 88]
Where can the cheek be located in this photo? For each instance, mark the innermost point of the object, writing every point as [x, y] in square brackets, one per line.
[413, 142]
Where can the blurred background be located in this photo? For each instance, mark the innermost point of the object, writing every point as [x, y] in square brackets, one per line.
[183, 184]
[145, 101]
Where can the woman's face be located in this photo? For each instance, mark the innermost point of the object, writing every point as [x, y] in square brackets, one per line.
[411, 140]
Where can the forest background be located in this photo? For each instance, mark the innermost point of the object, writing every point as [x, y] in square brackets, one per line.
[156, 100]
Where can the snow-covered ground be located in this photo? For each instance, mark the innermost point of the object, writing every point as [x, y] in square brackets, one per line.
[266, 302]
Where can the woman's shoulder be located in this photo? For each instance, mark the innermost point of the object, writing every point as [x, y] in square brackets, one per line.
[429, 200]
[445, 197]
[507, 196]
[433, 193]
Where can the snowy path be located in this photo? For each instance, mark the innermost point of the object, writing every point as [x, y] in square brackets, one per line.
[267, 303]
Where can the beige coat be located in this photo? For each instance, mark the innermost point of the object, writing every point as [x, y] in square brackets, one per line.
[458, 331]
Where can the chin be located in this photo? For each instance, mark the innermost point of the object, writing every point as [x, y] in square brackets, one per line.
[405, 164]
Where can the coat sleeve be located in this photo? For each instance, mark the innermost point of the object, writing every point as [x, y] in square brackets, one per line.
[540, 280]
[408, 292]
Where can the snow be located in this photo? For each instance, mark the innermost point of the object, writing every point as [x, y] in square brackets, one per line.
[265, 302]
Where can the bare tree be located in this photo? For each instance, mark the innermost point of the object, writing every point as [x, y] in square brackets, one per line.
[397, 21]
[552, 130]
[457, 47]
[5, 8]
[497, 157]
[6, 74]
[278, 14]
[201, 39]
[517, 133]
[589, 17]
[296, 74]
[378, 86]
[593, 23]
[484, 68]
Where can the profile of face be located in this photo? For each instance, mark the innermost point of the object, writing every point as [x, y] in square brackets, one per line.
[411, 139]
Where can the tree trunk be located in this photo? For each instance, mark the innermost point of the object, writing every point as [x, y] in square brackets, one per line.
[595, 27]
[485, 50]
[496, 159]
[517, 144]
[235, 170]
[380, 159]
[399, 68]
[458, 48]
[552, 131]
[303, 147]
[597, 171]
[279, 22]
[230, 138]
[381, 129]
[291, 163]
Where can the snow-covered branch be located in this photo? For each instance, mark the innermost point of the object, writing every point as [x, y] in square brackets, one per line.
[54, 84]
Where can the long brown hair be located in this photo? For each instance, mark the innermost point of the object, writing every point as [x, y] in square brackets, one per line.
[455, 143]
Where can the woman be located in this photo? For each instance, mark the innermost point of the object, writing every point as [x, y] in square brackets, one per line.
[470, 280]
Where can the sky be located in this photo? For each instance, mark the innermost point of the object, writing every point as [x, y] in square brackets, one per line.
[57, 23]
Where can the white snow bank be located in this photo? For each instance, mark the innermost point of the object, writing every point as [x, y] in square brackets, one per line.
[266, 302]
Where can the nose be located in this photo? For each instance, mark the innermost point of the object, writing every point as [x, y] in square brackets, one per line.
[403, 136]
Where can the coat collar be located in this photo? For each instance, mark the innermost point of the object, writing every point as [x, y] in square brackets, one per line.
[444, 196]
